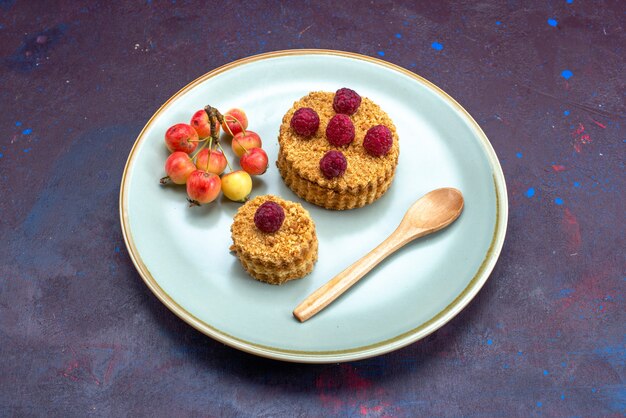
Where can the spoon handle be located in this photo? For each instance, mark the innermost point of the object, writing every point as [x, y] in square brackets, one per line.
[335, 287]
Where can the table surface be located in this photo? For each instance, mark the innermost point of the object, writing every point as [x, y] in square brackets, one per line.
[82, 335]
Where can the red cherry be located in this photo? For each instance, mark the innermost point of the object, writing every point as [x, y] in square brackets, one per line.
[200, 122]
[212, 161]
[203, 187]
[181, 137]
[244, 141]
[235, 121]
[254, 162]
[178, 167]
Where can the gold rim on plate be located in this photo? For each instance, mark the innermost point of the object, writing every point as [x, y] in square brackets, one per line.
[331, 356]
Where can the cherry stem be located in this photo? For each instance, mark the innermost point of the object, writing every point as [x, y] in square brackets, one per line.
[208, 160]
[226, 158]
[214, 115]
[234, 119]
[201, 148]
[239, 143]
[164, 180]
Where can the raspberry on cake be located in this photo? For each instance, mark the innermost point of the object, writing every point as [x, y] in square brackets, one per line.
[378, 141]
[320, 177]
[274, 239]
[333, 164]
[269, 217]
[346, 101]
[305, 121]
[340, 130]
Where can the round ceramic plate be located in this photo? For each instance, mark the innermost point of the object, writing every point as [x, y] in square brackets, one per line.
[183, 255]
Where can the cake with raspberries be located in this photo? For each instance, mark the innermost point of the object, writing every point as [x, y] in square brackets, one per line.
[274, 239]
[337, 150]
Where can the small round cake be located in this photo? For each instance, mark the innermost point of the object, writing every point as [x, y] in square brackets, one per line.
[274, 239]
[364, 146]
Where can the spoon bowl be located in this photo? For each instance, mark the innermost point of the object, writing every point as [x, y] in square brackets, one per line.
[434, 211]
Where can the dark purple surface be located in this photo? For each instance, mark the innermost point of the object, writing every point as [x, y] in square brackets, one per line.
[82, 335]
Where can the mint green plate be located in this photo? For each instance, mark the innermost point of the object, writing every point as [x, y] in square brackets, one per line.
[183, 256]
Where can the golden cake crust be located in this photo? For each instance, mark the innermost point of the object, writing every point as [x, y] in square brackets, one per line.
[302, 155]
[328, 198]
[286, 254]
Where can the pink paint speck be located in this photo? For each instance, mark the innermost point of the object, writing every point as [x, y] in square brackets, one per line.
[374, 411]
[601, 125]
[580, 137]
[571, 230]
[342, 387]
[558, 168]
[67, 372]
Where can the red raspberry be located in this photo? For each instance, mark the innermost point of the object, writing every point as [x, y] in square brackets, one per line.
[305, 121]
[378, 141]
[269, 217]
[333, 164]
[346, 101]
[340, 130]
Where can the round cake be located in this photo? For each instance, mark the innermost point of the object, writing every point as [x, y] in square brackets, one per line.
[367, 174]
[274, 239]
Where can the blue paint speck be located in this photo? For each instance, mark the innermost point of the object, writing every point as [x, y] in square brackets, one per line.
[562, 396]
[530, 192]
[552, 22]
[498, 22]
[566, 74]
[558, 201]
[576, 184]
[27, 131]
[381, 53]
[489, 341]
[27, 149]
[519, 353]
[566, 112]
[117, 249]
[545, 372]
[437, 46]
[519, 155]
[563, 364]
[505, 366]
[566, 292]
[18, 123]
[1, 155]
[539, 404]
[569, 1]
[399, 35]
[593, 390]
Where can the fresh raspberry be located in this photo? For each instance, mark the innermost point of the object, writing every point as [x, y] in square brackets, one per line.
[378, 141]
[346, 101]
[269, 217]
[333, 164]
[305, 121]
[340, 130]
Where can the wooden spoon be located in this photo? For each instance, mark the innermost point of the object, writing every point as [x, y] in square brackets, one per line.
[432, 212]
